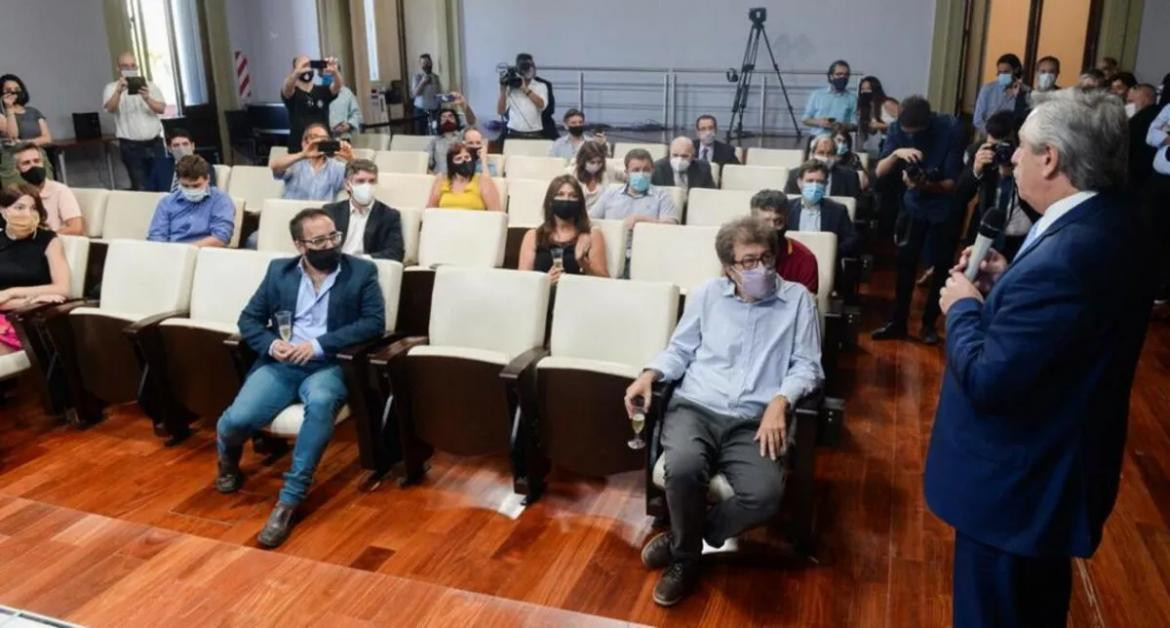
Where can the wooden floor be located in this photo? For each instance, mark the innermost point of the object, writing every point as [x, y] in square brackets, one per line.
[106, 526]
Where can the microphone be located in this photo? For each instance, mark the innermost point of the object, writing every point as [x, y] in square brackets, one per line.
[988, 231]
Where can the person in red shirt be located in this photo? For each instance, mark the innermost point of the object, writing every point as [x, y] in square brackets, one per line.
[794, 262]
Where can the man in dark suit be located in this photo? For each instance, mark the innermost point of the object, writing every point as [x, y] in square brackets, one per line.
[709, 149]
[681, 169]
[811, 211]
[1025, 456]
[331, 301]
[1141, 154]
[161, 177]
[370, 227]
[842, 181]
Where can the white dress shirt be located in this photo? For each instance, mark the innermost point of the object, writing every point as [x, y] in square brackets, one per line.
[810, 217]
[355, 236]
[134, 119]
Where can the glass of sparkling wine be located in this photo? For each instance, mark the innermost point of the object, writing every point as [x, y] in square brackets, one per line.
[558, 257]
[637, 422]
[284, 325]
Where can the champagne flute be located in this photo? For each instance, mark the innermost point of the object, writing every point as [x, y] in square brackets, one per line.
[558, 257]
[637, 422]
[284, 325]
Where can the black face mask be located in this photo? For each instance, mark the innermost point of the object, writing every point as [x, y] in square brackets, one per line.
[566, 209]
[34, 175]
[576, 131]
[465, 169]
[324, 260]
[839, 83]
[864, 98]
[781, 233]
[306, 76]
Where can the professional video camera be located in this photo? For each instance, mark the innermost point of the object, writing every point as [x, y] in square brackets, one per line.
[513, 75]
[918, 174]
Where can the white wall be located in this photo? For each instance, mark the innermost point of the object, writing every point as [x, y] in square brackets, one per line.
[1153, 57]
[891, 39]
[271, 33]
[64, 72]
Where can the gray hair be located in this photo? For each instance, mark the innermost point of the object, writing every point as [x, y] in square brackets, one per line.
[745, 230]
[360, 165]
[1088, 130]
[774, 200]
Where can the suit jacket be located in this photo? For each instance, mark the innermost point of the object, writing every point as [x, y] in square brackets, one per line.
[698, 174]
[356, 311]
[844, 182]
[1027, 444]
[722, 153]
[383, 236]
[548, 126]
[162, 172]
[1141, 155]
[834, 218]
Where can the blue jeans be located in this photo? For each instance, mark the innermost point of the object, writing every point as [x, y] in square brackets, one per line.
[270, 389]
[138, 157]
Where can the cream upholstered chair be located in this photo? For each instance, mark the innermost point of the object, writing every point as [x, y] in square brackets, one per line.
[682, 255]
[223, 176]
[142, 284]
[372, 141]
[404, 190]
[364, 153]
[615, 234]
[603, 334]
[656, 150]
[539, 168]
[254, 184]
[410, 142]
[850, 204]
[128, 214]
[447, 387]
[526, 202]
[776, 157]
[531, 148]
[823, 245]
[712, 208]
[754, 178]
[401, 162]
[273, 234]
[496, 161]
[276, 152]
[411, 220]
[93, 208]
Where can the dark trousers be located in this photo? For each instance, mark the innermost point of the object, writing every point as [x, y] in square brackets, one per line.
[138, 157]
[934, 244]
[1155, 215]
[422, 122]
[995, 588]
[694, 442]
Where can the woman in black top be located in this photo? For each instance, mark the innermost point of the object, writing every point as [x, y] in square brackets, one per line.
[566, 233]
[32, 261]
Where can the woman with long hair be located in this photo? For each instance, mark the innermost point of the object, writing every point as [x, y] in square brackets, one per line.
[566, 242]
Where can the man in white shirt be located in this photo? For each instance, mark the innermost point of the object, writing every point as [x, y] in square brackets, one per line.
[371, 227]
[523, 101]
[137, 106]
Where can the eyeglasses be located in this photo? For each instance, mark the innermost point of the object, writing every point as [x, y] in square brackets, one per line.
[749, 263]
[320, 241]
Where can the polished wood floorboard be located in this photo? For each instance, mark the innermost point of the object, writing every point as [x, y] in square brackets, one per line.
[109, 526]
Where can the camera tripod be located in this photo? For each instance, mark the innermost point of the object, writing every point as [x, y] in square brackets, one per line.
[743, 78]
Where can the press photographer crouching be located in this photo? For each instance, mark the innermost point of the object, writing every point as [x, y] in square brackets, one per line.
[991, 177]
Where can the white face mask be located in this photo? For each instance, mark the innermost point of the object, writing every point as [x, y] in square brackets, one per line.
[363, 193]
[1130, 109]
[594, 168]
[888, 117]
[680, 164]
[193, 195]
[706, 137]
[1045, 80]
[130, 73]
[180, 152]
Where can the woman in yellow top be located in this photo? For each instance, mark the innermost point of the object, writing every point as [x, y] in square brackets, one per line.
[461, 187]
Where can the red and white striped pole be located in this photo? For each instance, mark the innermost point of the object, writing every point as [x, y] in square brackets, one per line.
[243, 81]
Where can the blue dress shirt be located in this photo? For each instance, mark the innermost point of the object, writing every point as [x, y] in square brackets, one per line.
[178, 220]
[829, 103]
[302, 183]
[738, 356]
[994, 98]
[311, 320]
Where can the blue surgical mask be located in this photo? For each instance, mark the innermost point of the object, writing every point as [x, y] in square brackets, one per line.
[812, 191]
[1045, 80]
[326, 80]
[842, 148]
[640, 182]
[193, 195]
[1004, 79]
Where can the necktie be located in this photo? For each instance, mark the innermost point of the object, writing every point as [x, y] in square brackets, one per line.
[706, 154]
[174, 182]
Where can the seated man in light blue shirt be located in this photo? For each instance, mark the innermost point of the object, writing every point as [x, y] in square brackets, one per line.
[746, 350]
[313, 175]
[567, 145]
[329, 301]
[636, 201]
[195, 213]
[836, 104]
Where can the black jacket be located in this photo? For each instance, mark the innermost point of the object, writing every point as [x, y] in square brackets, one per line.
[383, 236]
[843, 179]
[968, 186]
[1141, 155]
[698, 174]
[834, 218]
[722, 153]
[547, 123]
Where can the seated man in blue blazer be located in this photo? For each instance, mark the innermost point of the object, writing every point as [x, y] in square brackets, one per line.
[334, 302]
[1025, 455]
[813, 212]
[161, 177]
[370, 227]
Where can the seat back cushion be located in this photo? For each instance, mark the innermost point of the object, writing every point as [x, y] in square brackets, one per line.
[128, 214]
[390, 281]
[147, 278]
[225, 279]
[707, 207]
[462, 238]
[627, 322]
[489, 309]
[77, 255]
[682, 255]
[823, 245]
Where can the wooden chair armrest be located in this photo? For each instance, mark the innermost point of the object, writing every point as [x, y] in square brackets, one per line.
[361, 349]
[396, 349]
[30, 311]
[522, 363]
[149, 323]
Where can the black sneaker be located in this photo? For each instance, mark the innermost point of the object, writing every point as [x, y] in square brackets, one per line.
[278, 527]
[929, 336]
[229, 479]
[676, 582]
[889, 331]
[656, 552]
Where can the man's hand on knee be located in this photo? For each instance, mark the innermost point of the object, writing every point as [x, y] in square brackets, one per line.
[301, 353]
[773, 428]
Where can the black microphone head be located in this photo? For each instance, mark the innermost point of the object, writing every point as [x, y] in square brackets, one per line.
[993, 222]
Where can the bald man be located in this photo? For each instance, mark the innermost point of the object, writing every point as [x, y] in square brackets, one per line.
[681, 169]
[137, 107]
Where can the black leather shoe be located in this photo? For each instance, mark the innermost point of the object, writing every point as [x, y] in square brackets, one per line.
[230, 478]
[676, 582]
[889, 331]
[278, 527]
[656, 552]
[928, 336]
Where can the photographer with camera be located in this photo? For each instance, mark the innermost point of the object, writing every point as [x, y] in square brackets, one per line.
[308, 103]
[523, 101]
[990, 176]
[137, 106]
[926, 150]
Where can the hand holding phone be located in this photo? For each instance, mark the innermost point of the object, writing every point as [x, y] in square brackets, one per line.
[317, 64]
[328, 147]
